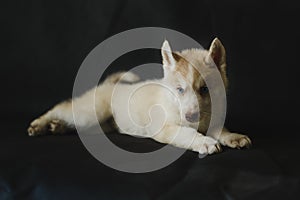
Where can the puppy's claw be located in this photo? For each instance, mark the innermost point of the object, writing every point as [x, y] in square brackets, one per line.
[218, 148]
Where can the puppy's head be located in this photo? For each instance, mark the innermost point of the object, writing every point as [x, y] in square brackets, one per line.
[184, 73]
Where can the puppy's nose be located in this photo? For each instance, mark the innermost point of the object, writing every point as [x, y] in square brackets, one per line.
[192, 117]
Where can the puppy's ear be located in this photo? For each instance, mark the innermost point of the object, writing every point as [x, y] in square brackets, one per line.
[169, 61]
[217, 53]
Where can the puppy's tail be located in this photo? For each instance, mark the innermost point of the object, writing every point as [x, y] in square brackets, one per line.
[122, 76]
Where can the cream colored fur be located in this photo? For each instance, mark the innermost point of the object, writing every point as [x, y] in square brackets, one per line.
[156, 109]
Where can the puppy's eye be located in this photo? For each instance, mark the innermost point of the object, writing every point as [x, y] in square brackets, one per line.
[203, 90]
[180, 90]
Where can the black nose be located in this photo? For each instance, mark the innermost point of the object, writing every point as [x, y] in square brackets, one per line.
[192, 117]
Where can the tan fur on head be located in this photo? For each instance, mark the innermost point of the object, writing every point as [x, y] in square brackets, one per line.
[190, 62]
[194, 65]
[203, 59]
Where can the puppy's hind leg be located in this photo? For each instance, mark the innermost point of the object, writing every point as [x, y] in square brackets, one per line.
[57, 120]
[60, 118]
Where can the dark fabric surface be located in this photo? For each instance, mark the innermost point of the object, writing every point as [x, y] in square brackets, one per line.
[59, 167]
[45, 41]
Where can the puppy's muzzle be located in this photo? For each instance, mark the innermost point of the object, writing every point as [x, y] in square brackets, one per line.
[192, 117]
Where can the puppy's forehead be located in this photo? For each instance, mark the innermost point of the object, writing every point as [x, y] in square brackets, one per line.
[192, 67]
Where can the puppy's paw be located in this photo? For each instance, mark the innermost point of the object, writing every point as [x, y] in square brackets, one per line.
[37, 127]
[235, 140]
[209, 146]
[42, 126]
[57, 126]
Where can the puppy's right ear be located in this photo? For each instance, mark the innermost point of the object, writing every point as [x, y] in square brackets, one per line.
[168, 58]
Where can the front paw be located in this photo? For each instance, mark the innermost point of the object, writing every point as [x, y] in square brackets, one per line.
[208, 145]
[235, 140]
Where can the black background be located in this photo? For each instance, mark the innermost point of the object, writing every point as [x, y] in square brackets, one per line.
[44, 42]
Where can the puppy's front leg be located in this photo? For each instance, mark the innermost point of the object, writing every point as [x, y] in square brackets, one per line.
[188, 138]
[233, 140]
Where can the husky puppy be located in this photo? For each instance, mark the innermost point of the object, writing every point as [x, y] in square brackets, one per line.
[173, 110]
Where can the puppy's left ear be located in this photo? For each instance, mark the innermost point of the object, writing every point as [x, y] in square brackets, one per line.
[217, 53]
